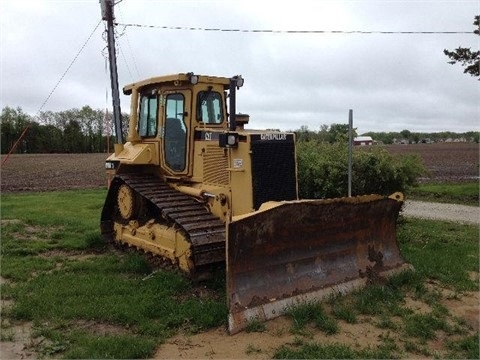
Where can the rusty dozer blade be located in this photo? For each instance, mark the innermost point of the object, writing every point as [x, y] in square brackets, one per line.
[298, 251]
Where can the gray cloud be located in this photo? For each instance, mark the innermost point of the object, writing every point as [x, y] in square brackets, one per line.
[393, 82]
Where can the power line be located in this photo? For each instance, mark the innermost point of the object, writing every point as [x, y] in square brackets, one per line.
[69, 66]
[52, 91]
[128, 41]
[270, 31]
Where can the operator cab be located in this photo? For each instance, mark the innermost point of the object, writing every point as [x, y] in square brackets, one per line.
[166, 110]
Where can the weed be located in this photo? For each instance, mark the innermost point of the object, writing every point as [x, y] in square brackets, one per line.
[345, 312]
[424, 326]
[412, 347]
[462, 323]
[210, 353]
[386, 322]
[407, 280]
[303, 313]
[326, 323]
[456, 295]
[255, 326]
[7, 334]
[298, 341]
[315, 351]
[125, 346]
[279, 332]
[252, 349]
[56, 347]
[386, 350]
[308, 312]
[334, 297]
[465, 347]
[376, 299]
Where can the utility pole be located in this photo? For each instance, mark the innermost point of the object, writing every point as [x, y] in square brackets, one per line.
[350, 145]
[107, 15]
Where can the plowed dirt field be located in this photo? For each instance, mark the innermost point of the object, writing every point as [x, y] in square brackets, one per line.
[45, 172]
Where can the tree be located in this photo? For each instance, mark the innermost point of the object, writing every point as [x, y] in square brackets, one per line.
[465, 56]
[304, 133]
[323, 170]
[339, 133]
[406, 134]
[13, 123]
[73, 137]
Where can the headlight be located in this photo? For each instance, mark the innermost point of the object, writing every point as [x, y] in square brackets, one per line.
[110, 165]
[193, 78]
[231, 140]
[240, 81]
[228, 140]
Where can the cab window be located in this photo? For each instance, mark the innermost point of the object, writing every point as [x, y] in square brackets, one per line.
[175, 132]
[147, 122]
[209, 107]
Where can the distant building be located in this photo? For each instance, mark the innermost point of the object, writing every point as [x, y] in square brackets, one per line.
[363, 140]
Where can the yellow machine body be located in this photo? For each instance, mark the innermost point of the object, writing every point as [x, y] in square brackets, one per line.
[195, 187]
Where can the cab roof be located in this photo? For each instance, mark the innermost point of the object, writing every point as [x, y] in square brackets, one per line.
[177, 79]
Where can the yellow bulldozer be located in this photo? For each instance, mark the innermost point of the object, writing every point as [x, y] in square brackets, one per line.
[193, 186]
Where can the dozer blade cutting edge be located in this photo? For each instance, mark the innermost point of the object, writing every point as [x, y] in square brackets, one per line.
[297, 251]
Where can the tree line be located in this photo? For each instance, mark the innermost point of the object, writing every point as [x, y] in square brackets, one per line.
[419, 137]
[82, 130]
[339, 133]
[88, 130]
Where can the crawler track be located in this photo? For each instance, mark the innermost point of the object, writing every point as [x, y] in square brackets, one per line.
[205, 232]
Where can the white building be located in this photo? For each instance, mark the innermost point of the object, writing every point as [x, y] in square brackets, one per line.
[363, 140]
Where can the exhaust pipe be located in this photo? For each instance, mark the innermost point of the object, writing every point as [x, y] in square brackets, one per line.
[236, 82]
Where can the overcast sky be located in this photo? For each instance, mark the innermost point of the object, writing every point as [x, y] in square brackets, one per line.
[392, 82]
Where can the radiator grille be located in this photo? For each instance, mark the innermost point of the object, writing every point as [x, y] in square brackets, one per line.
[215, 164]
[273, 171]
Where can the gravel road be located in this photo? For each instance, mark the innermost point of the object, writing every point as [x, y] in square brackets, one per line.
[436, 211]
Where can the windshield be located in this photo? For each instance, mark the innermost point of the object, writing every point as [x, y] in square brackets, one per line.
[175, 132]
[209, 107]
[147, 122]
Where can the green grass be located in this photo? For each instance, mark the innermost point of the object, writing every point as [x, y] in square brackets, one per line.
[61, 276]
[255, 326]
[466, 348]
[306, 313]
[386, 350]
[345, 312]
[455, 193]
[60, 273]
[441, 251]
[424, 326]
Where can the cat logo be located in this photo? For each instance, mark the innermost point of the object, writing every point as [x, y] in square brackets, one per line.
[279, 137]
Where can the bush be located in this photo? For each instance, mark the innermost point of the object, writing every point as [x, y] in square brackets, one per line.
[323, 170]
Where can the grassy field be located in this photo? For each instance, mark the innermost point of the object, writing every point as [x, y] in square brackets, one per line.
[87, 300]
[465, 193]
[84, 299]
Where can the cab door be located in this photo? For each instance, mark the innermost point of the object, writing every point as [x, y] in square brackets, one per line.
[176, 130]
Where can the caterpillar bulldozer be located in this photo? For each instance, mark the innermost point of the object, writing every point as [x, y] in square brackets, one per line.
[193, 186]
